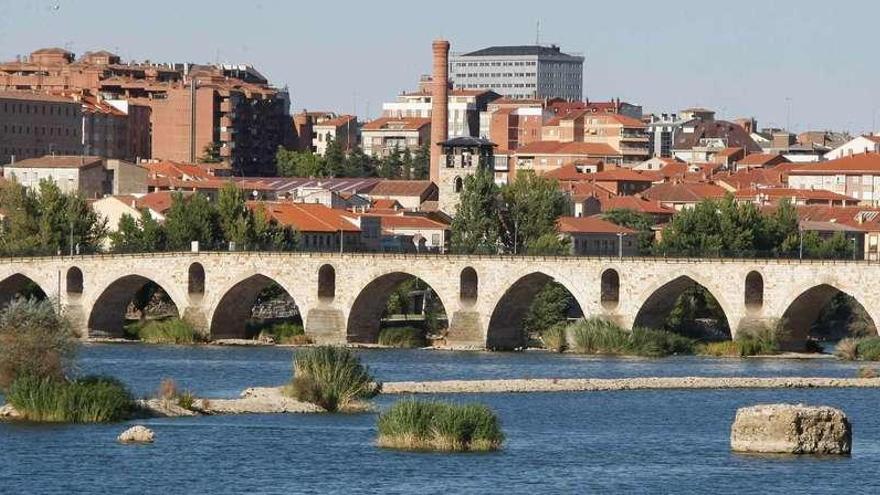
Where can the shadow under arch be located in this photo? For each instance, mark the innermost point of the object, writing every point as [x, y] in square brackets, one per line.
[806, 309]
[108, 315]
[19, 285]
[236, 308]
[365, 317]
[698, 302]
[505, 330]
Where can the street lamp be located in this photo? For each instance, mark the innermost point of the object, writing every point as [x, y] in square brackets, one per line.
[620, 245]
[855, 245]
[801, 241]
[341, 239]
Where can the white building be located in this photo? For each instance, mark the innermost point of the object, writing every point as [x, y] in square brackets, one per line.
[861, 144]
[464, 108]
[520, 72]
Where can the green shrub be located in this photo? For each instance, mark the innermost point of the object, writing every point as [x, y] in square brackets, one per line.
[169, 331]
[553, 338]
[284, 332]
[847, 349]
[186, 399]
[403, 337]
[868, 348]
[725, 348]
[331, 377]
[759, 338]
[92, 399]
[35, 340]
[422, 425]
[599, 336]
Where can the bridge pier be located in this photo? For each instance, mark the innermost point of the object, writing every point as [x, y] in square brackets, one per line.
[466, 330]
[325, 324]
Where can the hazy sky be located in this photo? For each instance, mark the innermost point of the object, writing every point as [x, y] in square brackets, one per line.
[742, 58]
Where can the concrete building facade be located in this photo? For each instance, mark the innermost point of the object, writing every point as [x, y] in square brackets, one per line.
[528, 71]
[33, 125]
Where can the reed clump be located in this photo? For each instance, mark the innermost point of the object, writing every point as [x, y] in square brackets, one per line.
[330, 377]
[600, 336]
[91, 399]
[402, 337]
[167, 331]
[439, 426]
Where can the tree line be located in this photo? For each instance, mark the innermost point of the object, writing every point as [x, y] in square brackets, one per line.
[46, 221]
[399, 164]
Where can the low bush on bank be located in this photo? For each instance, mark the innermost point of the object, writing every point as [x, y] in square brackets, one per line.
[861, 349]
[93, 399]
[168, 331]
[439, 426]
[285, 332]
[554, 339]
[752, 339]
[35, 340]
[402, 337]
[331, 377]
[169, 392]
[600, 336]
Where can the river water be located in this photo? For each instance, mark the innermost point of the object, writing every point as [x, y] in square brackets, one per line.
[599, 442]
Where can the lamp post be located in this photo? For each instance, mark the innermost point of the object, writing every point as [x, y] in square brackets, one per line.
[620, 245]
[801, 242]
[341, 239]
[855, 245]
[71, 238]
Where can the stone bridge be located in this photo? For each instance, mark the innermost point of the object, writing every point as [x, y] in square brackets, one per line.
[341, 297]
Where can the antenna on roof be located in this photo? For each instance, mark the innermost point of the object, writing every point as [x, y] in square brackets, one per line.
[538, 32]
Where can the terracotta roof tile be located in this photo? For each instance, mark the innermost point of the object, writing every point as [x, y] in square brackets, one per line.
[307, 217]
[855, 164]
[558, 148]
[589, 225]
[683, 192]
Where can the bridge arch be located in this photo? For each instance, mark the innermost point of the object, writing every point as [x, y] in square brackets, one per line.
[808, 304]
[109, 310]
[365, 316]
[505, 331]
[234, 309]
[654, 309]
[19, 285]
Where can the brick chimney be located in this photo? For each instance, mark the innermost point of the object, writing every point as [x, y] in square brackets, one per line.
[439, 105]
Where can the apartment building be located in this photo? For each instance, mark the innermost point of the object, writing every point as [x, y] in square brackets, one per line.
[33, 125]
[856, 176]
[464, 107]
[520, 72]
[382, 136]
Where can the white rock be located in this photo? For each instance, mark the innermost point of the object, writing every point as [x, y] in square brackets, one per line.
[137, 434]
[791, 429]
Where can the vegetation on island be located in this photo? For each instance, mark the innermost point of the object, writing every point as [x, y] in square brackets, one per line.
[402, 337]
[600, 336]
[755, 338]
[37, 353]
[330, 377]
[859, 349]
[285, 333]
[439, 426]
[165, 331]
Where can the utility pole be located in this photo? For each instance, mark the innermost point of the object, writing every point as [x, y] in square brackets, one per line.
[341, 239]
[620, 245]
[71, 238]
[801, 249]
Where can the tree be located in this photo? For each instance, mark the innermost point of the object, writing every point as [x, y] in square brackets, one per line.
[549, 307]
[421, 163]
[392, 165]
[266, 234]
[233, 215]
[359, 164]
[406, 164]
[334, 159]
[211, 153]
[476, 227]
[531, 206]
[141, 235]
[290, 163]
[19, 232]
[67, 221]
[190, 219]
[637, 221]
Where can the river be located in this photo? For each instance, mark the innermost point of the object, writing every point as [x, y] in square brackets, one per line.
[633, 442]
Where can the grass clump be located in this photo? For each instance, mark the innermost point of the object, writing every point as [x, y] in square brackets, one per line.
[285, 332]
[847, 349]
[600, 336]
[170, 393]
[554, 339]
[867, 372]
[439, 426]
[330, 377]
[168, 331]
[35, 340]
[93, 399]
[868, 349]
[402, 337]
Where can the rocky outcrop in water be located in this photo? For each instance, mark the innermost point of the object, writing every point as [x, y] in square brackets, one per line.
[791, 429]
[9, 412]
[136, 434]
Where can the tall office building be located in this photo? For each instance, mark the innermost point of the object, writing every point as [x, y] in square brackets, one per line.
[520, 72]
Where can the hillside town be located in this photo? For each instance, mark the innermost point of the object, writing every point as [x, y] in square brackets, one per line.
[131, 136]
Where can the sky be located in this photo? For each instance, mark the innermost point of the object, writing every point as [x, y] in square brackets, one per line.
[810, 63]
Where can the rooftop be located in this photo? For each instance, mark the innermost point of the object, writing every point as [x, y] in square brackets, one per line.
[58, 161]
[590, 225]
[307, 217]
[683, 192]
[519, 50]
[559, 148]
[855, 164]
[397, 123]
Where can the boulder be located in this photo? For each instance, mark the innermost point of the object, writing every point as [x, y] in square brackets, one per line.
[791, 429]
[137, 434]
[7, 411]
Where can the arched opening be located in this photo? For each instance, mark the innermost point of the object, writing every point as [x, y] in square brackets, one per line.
[469, 285]
[610, 290]
[532, 304]
[74, 281]
[395, 300]
[327, 282]
[127, 302]
[824, 313]
[754, 291]
[19, 286]
[685, 307]
[457, 185]
[196, 279]
[256, 305]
